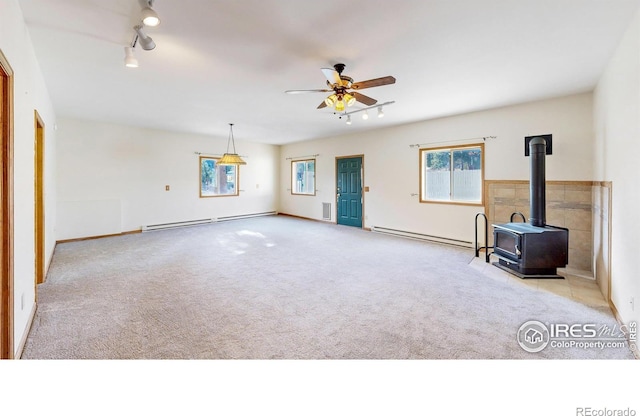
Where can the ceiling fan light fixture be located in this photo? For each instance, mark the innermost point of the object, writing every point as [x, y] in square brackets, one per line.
[130, 60]
[331, 100]
[340, 105]
[350, 99]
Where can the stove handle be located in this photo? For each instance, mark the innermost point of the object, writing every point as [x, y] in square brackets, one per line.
[518, 252]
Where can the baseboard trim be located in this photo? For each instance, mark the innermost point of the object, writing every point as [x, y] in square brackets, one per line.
[95, 237]
[25, 335]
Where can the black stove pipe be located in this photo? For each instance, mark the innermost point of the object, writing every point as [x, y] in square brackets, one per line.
[537, 151]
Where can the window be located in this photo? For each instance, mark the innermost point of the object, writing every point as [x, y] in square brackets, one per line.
[452, 174]
[217, 180]
[303, 177]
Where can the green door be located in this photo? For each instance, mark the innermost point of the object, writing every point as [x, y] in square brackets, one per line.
[349, 191]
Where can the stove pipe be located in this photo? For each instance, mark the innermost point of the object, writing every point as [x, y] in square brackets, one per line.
[537, 151]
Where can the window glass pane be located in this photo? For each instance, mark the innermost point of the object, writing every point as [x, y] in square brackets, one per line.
[227, 182]
[453, 174]
[217, 180]
[467, 175]
[438, 175]
[303, 180]
[207, 177]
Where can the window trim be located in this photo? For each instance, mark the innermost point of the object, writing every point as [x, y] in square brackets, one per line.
[314, 177]
[237, 181]
[451, 202]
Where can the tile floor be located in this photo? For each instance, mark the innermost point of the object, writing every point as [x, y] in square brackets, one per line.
[581, 289]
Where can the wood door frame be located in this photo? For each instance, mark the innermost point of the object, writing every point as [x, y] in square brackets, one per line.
[6, 210]
[362, 187]
[39, 220]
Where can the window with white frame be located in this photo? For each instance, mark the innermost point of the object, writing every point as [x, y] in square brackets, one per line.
[303, 177]
[217, 180]
[452, 174]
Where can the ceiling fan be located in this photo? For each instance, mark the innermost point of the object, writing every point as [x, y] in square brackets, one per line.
[340, 88]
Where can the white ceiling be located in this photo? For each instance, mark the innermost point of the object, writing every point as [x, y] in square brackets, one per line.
[225, 61]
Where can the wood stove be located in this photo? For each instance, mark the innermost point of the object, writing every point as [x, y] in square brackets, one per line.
[534, 249]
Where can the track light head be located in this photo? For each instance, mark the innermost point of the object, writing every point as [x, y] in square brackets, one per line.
[380, 112]
[365, 115]
[349, 120]
[145, 41]
[150, 17]
[130, 60]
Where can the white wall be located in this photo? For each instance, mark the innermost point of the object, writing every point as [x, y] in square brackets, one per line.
[617, 144]
[112, 178]
[391, 166]
[30, 93]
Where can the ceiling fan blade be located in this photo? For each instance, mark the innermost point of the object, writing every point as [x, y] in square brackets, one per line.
[332, 75]
[374, 83]
[364, 99]
[322, 105]
[305, 91]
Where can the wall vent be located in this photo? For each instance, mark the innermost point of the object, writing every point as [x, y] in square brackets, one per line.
[326, 211]
[425, 237]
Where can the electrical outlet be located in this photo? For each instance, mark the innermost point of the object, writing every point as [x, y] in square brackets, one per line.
[166, 188]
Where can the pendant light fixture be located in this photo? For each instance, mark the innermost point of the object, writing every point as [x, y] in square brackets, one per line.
[231, 158]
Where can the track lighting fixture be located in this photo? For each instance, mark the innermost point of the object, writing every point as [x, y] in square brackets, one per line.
[130, 60]
[365, 111]
[145, 41]
[149, 16]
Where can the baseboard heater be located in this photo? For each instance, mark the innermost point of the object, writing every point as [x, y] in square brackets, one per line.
[240, 217]
[191, 223]
[425, 237]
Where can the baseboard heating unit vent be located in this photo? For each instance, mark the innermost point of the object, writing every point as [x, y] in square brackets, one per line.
[425, 237]
[326, 211]
[179, 224]
[240, 217]
[154, 227]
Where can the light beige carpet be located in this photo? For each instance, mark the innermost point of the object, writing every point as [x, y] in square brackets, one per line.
[284, 288]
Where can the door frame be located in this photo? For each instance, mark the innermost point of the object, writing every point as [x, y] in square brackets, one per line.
[362, 187]
[6, 210]
[39, 220]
